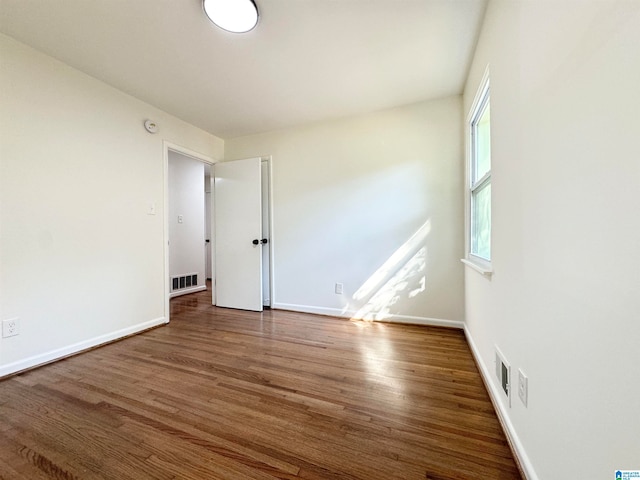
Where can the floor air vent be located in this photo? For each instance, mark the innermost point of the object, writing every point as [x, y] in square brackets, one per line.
[184, 281]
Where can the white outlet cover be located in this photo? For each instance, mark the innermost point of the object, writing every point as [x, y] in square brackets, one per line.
[523, 387]
[10, 327]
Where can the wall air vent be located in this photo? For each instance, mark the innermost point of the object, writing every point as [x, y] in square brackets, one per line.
[503, 374]
[181, 282]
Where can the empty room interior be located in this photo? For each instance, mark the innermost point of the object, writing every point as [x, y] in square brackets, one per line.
[334, 239]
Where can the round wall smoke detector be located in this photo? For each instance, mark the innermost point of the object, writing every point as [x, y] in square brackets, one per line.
[151, 126]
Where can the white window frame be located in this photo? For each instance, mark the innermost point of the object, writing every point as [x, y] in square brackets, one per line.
[481, 101]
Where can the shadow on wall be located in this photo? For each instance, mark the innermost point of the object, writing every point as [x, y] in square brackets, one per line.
[403, 276]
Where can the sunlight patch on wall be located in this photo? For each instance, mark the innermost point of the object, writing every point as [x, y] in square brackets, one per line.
[402, 276]
[391, 265]
[409, 280]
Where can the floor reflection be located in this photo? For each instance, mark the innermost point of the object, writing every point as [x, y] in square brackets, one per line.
[380, 363]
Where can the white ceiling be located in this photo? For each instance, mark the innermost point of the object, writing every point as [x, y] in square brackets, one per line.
[307, 60]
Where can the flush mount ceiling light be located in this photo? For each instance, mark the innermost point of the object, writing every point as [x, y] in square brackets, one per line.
[237, 16]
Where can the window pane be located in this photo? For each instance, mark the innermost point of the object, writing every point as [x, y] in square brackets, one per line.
[483, 144]
[481, 222]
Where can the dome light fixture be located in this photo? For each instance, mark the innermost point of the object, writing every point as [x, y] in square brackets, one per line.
[236, 16]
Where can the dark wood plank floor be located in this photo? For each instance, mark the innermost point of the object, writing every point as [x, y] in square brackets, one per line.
[223, 394]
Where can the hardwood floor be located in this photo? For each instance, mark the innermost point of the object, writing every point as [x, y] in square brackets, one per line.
[224, 394]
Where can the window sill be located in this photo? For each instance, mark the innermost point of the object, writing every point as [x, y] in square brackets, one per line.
[485, 270]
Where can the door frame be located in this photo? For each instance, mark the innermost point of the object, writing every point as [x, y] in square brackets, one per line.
[268, 159]
[166, 147]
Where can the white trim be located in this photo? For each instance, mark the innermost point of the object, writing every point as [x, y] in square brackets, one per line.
[483, 90]
[212, 231]
[79, 347]
[503, 415]
[480, 93]
[487, 271]
[201, 157]
[483, 182]
[272, 300]
[336, 312]
[166, 146]
[185, 291]
[265, 161]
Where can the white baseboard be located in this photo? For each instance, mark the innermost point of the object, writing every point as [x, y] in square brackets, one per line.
[505, 421]
[336, 312]
[186, 291]
[63, 352]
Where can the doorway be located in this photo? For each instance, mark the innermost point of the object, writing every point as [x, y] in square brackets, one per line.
[187, 225]
[209, 237]
[186, 229]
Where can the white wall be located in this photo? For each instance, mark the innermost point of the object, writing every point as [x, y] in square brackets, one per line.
[186, 200]
[373, 202]
[564, 303]
[81, 261]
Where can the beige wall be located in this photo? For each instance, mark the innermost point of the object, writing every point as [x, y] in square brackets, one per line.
[374, 202]
[81, 261]
[563, 302]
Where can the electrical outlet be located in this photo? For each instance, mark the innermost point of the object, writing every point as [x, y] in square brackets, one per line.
[339, 288]
[10, 327]
[523, 387]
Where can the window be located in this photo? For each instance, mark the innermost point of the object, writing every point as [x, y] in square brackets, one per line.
[480, 176]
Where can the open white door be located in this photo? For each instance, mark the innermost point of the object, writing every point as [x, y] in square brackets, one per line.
[238, 238]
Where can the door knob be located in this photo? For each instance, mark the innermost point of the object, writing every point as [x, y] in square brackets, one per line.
[264, 240]
[256, 242]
